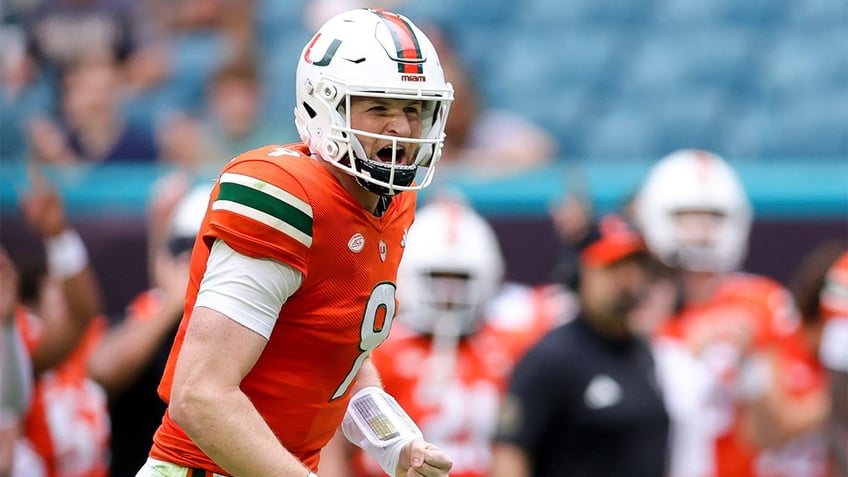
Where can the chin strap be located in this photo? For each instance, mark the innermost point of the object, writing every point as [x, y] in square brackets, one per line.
[403, 176]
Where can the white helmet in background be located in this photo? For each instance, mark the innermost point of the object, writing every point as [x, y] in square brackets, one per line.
[451, 269]
[187, 218]
[695, 181]
[379, 54]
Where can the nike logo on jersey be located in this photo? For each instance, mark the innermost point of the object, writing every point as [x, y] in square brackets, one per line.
[602, 392]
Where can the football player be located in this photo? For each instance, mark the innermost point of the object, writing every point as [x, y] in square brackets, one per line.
[66, 429]
[723, 353]
[293, 272]
[833, 353]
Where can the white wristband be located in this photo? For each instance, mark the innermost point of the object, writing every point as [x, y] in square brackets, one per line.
[375, 422]
[66, 254]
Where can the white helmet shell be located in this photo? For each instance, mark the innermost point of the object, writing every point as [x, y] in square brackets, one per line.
[693, 180]
[187, 217]
[189, 212]
[371, 53]
[448, 239]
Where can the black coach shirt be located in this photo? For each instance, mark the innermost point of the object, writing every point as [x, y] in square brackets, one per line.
[581, 404]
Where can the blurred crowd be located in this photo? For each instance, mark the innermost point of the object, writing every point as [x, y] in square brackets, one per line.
[118, 81]
[648, 352]
[87, 82]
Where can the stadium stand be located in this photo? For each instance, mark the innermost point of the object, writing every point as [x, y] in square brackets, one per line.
[748, 79]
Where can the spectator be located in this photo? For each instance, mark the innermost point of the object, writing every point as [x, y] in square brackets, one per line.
[584, 400]
[479, 138]
[67, 428]
[235, 104]
[63, 33]
[727, 328]
[201, 144]
[571, 217]
[231, 18]
[92, 127]
[463, 327]
[130, 359]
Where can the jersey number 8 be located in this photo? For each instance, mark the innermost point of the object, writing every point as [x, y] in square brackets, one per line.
[373, 331]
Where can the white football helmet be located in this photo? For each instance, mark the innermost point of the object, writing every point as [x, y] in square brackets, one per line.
[451, 269]
[694, 181]
[372, 53]
[187, 218]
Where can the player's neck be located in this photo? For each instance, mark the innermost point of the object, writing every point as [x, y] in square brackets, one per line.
[701, 286]
[368, 200]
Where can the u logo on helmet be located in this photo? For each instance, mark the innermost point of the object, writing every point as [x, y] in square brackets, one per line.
[328, 55]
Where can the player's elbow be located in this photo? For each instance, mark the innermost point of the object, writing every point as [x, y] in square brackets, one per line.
[189, 405]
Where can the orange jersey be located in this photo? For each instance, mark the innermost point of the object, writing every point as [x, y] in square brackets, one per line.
[834, 295]
[68, 422]
[745, 309]
[456, 403]
[280, 203]
[801, 375]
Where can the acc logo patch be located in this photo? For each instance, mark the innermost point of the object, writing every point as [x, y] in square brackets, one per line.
[356, 243]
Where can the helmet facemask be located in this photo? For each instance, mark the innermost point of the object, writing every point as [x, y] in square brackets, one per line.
[697, 235]
[386, 175]
[452, 302]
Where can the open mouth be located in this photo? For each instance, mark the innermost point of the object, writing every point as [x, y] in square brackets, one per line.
[385, 155]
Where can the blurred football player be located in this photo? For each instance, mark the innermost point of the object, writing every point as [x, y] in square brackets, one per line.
[723, 353]
[66, 430]
[833, 353]
[293, 273]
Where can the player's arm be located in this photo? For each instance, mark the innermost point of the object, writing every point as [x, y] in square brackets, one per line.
[239, 299]
[408, 454]
[208, 404]
[337, 454]
[771, 414]
[509, 460]
[72, 293]
[122, 355]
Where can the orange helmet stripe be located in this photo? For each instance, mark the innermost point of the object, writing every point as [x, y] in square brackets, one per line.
[406, 42]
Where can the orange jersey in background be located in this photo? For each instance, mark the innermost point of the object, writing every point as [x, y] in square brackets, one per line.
[344, 308]
[68, 422]
[748, 313]
[801, 375]
[456, 404]
[834, 297]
